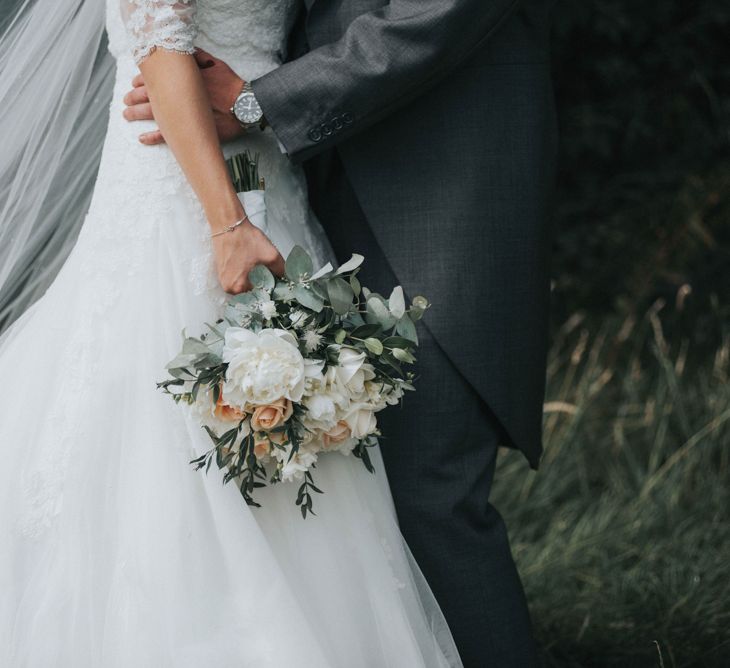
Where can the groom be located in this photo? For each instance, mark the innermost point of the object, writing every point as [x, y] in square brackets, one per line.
[426, 128]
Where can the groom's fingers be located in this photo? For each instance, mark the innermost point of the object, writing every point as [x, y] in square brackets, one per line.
[136, 96]
[139, 112]
[205, 60]
[152, 138]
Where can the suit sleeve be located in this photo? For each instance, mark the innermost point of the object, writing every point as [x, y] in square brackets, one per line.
[385, 59]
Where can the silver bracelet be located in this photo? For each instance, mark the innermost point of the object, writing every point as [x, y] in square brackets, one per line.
[230, 228]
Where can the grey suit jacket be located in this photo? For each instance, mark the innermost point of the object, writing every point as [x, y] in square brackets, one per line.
[442, 114]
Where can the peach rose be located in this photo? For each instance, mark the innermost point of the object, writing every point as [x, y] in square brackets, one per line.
[337, 435]
[272, 415]
[261, 446]
[224, 411]
[278, 437]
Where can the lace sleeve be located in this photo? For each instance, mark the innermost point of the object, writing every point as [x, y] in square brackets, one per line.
[164, 24]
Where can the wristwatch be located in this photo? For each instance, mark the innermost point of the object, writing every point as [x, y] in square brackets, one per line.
[247, 110]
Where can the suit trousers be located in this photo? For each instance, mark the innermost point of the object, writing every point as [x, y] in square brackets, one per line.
[440, 449]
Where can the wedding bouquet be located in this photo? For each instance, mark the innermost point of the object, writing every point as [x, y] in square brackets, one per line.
[297, 368]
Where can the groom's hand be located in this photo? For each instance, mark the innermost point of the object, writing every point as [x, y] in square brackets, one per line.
[223, 86]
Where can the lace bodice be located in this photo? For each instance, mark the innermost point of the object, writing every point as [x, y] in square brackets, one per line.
[250, 35]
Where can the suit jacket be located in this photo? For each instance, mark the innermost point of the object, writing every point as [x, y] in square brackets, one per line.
[442, 114]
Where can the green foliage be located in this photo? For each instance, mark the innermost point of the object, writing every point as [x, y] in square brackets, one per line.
[623, 536]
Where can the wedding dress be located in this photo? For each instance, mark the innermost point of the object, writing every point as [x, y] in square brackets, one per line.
[114, 552]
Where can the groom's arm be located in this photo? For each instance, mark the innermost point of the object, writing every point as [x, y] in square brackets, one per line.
[385, 59]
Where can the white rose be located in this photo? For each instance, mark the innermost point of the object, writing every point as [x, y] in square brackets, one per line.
[353, 370]
[262, 367]
[362, 422]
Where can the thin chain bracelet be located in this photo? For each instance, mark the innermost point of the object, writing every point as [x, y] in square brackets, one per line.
[230, 228]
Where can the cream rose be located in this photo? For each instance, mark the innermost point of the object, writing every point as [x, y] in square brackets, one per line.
[263, 367]
[272, 415]
[362, 422]
[337, 435]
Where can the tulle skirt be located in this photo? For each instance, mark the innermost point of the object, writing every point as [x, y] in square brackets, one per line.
[114, 552]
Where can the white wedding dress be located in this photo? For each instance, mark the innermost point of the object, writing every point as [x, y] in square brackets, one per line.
[114, 552]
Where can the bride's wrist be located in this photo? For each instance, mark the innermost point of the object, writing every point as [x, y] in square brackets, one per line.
[224, 216]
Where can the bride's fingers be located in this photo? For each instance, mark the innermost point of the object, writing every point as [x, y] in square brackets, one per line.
[138, 81]
[136, 96]
[152, 138]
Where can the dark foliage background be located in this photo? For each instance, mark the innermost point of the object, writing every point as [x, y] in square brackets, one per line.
[644, 96]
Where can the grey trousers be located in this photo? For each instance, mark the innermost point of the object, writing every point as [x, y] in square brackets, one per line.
[440, 450]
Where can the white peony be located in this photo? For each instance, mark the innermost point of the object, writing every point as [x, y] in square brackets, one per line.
[262, 367]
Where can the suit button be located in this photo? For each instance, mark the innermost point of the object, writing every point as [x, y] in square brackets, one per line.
[347, 118]
[337, 123]
[326, 129]
[315, 135]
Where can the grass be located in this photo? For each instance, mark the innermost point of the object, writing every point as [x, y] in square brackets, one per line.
[623, 536]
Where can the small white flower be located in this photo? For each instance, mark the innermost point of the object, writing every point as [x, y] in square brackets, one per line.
[297, 466]
[298, 318]
[268, 309]
[312, 340]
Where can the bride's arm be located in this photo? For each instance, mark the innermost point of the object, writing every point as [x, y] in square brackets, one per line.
[162, 35]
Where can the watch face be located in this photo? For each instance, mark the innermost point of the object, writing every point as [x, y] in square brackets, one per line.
[247, 109]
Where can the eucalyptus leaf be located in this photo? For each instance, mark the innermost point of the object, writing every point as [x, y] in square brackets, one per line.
[283, 292]
[299, 265]
[308, 299]
[378, 312]
[365, 331]
[340, 336]
[340, 295]
[397, 342]
[324, 271]
[374, 346]
[397, 302]
[403, 355]
[407, 329]
[355, 285]
[262, 278]
[353, 263]
[244, 299]
[194, 346]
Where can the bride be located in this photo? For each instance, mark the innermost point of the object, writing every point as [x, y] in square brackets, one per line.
[114, 552]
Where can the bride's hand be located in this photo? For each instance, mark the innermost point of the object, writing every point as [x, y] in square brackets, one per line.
[239, 251]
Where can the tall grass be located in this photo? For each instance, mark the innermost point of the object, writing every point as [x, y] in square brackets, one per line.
[623, 536]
